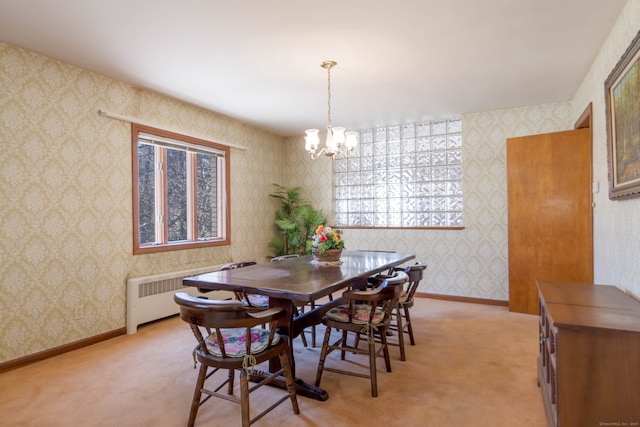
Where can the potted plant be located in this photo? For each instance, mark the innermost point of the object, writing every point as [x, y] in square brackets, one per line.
[296, 221]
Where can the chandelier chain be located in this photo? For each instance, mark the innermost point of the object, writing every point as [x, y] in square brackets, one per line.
[329, 98]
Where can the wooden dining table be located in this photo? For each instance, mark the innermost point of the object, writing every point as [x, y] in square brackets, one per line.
[297, 281]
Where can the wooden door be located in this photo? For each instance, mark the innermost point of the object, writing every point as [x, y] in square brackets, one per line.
[550, 219]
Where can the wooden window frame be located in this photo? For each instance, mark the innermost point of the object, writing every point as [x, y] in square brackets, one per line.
[223, 209]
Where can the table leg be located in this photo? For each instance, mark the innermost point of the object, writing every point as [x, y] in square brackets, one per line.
[292, 327]
[303, 388]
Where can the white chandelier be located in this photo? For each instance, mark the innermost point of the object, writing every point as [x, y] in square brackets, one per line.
[337, 138]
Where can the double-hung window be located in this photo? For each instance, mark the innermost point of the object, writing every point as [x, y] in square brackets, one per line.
[407, 176]
[180, 191]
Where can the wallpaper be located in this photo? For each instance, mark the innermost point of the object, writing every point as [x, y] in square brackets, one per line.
[473, 262]
[66, 210]
[616, 230]
[470, 262]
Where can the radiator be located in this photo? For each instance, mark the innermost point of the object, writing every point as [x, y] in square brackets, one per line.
[151, 298]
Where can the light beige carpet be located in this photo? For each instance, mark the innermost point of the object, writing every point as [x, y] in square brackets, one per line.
[472, 365]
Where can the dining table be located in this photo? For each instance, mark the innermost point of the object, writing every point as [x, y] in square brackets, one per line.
[294, 282]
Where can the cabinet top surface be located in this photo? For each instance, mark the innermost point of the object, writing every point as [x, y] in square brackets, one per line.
[587, 294]
[594, 317]
[592, 306]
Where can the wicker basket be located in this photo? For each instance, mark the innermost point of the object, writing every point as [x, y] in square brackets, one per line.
[330, 255]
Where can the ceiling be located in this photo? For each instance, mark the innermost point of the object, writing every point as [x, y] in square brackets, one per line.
[258, 61]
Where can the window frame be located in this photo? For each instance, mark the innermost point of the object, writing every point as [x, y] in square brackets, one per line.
[224, 208]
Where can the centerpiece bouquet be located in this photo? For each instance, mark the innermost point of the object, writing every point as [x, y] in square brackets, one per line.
[326, 238]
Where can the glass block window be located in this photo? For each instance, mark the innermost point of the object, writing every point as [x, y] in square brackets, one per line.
[402, 176]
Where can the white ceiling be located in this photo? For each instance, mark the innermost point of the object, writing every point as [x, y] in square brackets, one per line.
[259, 60]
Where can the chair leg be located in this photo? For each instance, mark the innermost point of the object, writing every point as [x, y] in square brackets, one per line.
[232, 378]
[344, 345]
[313, 328]
[356, 341]
[304, 339]
[385, 350]
[372, 368]
[398, 311]
[244, 398]
[323, 355]
[408, 323]
[288, 378]
[197, 394]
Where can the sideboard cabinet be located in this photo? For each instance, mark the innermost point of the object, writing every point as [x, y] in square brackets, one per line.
[589, 362]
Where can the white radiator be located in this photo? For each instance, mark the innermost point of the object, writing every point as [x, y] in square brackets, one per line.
[151, 298]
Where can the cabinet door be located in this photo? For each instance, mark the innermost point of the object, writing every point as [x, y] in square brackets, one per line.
[550, 218]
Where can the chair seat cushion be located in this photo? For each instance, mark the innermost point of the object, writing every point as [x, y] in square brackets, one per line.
[235, 342]
[258, 300]
[361, 314]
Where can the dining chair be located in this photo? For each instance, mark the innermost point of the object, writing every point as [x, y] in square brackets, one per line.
[367, 313]
[401, 319]
[229, 338]
[230, 266]
[297, 308]
[257, 302]
[302, 307]
[251, 301]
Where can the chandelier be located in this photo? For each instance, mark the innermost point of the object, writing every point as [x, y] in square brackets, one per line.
[337, 138]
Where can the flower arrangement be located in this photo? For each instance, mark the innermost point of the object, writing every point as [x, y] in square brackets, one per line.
[327, 238]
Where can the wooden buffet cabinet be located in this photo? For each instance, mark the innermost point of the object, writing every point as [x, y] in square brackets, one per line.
[589, 362]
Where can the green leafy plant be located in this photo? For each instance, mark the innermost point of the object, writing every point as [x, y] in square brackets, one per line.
[296, 221]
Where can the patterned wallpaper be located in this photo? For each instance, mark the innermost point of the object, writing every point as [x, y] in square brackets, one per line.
[616, 231]
[470, 262]
[473, 262]
[65, 191]
[65, 194]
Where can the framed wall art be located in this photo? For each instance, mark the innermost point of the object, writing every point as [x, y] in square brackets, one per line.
[622, 89]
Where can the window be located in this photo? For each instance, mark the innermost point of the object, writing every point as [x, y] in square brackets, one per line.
[402, 176]
[180, 191]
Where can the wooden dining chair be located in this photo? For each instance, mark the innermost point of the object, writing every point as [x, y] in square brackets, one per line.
[230, 266]
[298, 308]
[252, 302]
[257, 302]
[401, 319]
[229, 338]
[367, 314]
[402, 311]
[302, 307]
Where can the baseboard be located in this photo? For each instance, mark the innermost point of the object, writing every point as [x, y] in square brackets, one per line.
[463, 299]
[36, 357]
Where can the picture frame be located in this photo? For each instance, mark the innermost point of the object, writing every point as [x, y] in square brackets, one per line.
[622, 90]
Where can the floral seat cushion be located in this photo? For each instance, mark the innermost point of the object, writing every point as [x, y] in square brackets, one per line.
[361, 314]
[235, 342]
[260, 301]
